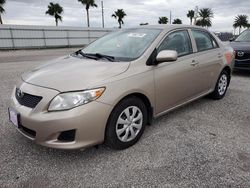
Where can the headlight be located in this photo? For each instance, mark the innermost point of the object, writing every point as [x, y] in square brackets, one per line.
[69, 100]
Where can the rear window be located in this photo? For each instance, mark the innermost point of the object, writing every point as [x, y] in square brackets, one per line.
[204, 41]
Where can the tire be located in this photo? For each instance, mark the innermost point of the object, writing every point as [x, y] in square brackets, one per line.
[126, 123]
[221, 86]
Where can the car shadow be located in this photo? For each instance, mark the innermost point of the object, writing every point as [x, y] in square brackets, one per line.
[244, 73]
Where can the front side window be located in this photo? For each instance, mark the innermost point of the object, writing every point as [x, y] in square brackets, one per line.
[124, 45]
[178, 41]
[203, 40]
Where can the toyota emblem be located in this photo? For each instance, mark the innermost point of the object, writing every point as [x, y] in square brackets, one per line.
[240, 54]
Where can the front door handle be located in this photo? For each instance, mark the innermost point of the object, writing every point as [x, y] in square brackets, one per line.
[194, 63]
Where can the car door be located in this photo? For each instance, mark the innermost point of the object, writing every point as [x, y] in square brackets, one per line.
[209, 57]
[175, 82]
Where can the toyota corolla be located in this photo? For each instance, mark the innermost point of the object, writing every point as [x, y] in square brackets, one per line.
[110, 90]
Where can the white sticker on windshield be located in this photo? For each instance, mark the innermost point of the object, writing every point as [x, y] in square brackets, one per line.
[137, 35]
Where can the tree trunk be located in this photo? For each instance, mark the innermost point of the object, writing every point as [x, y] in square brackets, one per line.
[88, 16]
[120, 25]
[1, 21]
[191, 21]
[56, 22]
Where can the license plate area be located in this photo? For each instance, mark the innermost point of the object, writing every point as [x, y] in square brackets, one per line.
[14, 117]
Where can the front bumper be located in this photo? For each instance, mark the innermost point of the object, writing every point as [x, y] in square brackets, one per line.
[242, 64]
[88, 121]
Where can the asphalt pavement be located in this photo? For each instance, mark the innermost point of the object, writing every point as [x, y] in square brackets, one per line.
[203, 144]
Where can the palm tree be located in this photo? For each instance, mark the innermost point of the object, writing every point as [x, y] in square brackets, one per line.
[190, 15]
[205, 16]
[88, 4]
[119, 15]
[2, 2]
[241, 21]
[163, 20]
[55, 10]
[143, 24]
[177, 21]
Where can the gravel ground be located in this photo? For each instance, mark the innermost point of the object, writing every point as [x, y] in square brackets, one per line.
[203, 144]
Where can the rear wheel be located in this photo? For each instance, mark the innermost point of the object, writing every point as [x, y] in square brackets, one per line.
[221, 85]
[126, 123]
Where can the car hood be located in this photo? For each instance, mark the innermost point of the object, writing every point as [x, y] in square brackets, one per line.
[73, 73]
[244, 46]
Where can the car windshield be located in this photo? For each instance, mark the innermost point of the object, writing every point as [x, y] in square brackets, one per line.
[244, 37]
[124, 45]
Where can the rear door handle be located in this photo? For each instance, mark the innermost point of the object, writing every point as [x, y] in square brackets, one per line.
[220, 55]
[194, 63]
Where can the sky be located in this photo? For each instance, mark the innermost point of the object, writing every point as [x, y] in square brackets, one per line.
[32, 12]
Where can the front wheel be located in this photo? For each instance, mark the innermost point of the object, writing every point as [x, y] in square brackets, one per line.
[126, 123]
[221, 86]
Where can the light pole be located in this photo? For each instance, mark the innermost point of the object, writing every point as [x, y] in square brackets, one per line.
[196, 12]
[170, 17]
[102, 15]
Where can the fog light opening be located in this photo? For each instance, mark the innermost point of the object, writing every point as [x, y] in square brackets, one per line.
[67, 136]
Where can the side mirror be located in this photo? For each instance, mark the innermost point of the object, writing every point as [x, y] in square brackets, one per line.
[166, 56]
[231, 39]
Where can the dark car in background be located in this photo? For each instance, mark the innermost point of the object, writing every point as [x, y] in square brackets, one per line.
[241, 46]
[224, 36]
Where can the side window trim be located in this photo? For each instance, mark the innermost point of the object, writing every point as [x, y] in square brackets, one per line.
[194, 46]
[213, 40]
[173, 31]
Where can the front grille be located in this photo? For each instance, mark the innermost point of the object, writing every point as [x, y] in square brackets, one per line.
[26, 99]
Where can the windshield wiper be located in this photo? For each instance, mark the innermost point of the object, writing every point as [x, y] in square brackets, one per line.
[95, 56]
[89, 56]
[98, 55]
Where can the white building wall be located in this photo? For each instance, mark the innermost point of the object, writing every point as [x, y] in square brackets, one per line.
[24, 37]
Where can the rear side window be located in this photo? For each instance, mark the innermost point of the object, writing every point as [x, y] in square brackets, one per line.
[204, 41]
[178, 41]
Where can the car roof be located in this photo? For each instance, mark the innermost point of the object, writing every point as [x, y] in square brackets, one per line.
[171, 26]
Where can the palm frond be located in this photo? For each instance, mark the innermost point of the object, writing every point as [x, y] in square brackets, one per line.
[2, 10]
[88, 3]
[55, 10]
[119, 14]
[163, 20]
[205, 16]
[2, 2]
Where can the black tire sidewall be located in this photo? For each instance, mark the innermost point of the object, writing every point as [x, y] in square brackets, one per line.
[111, 138]
[216, 93]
